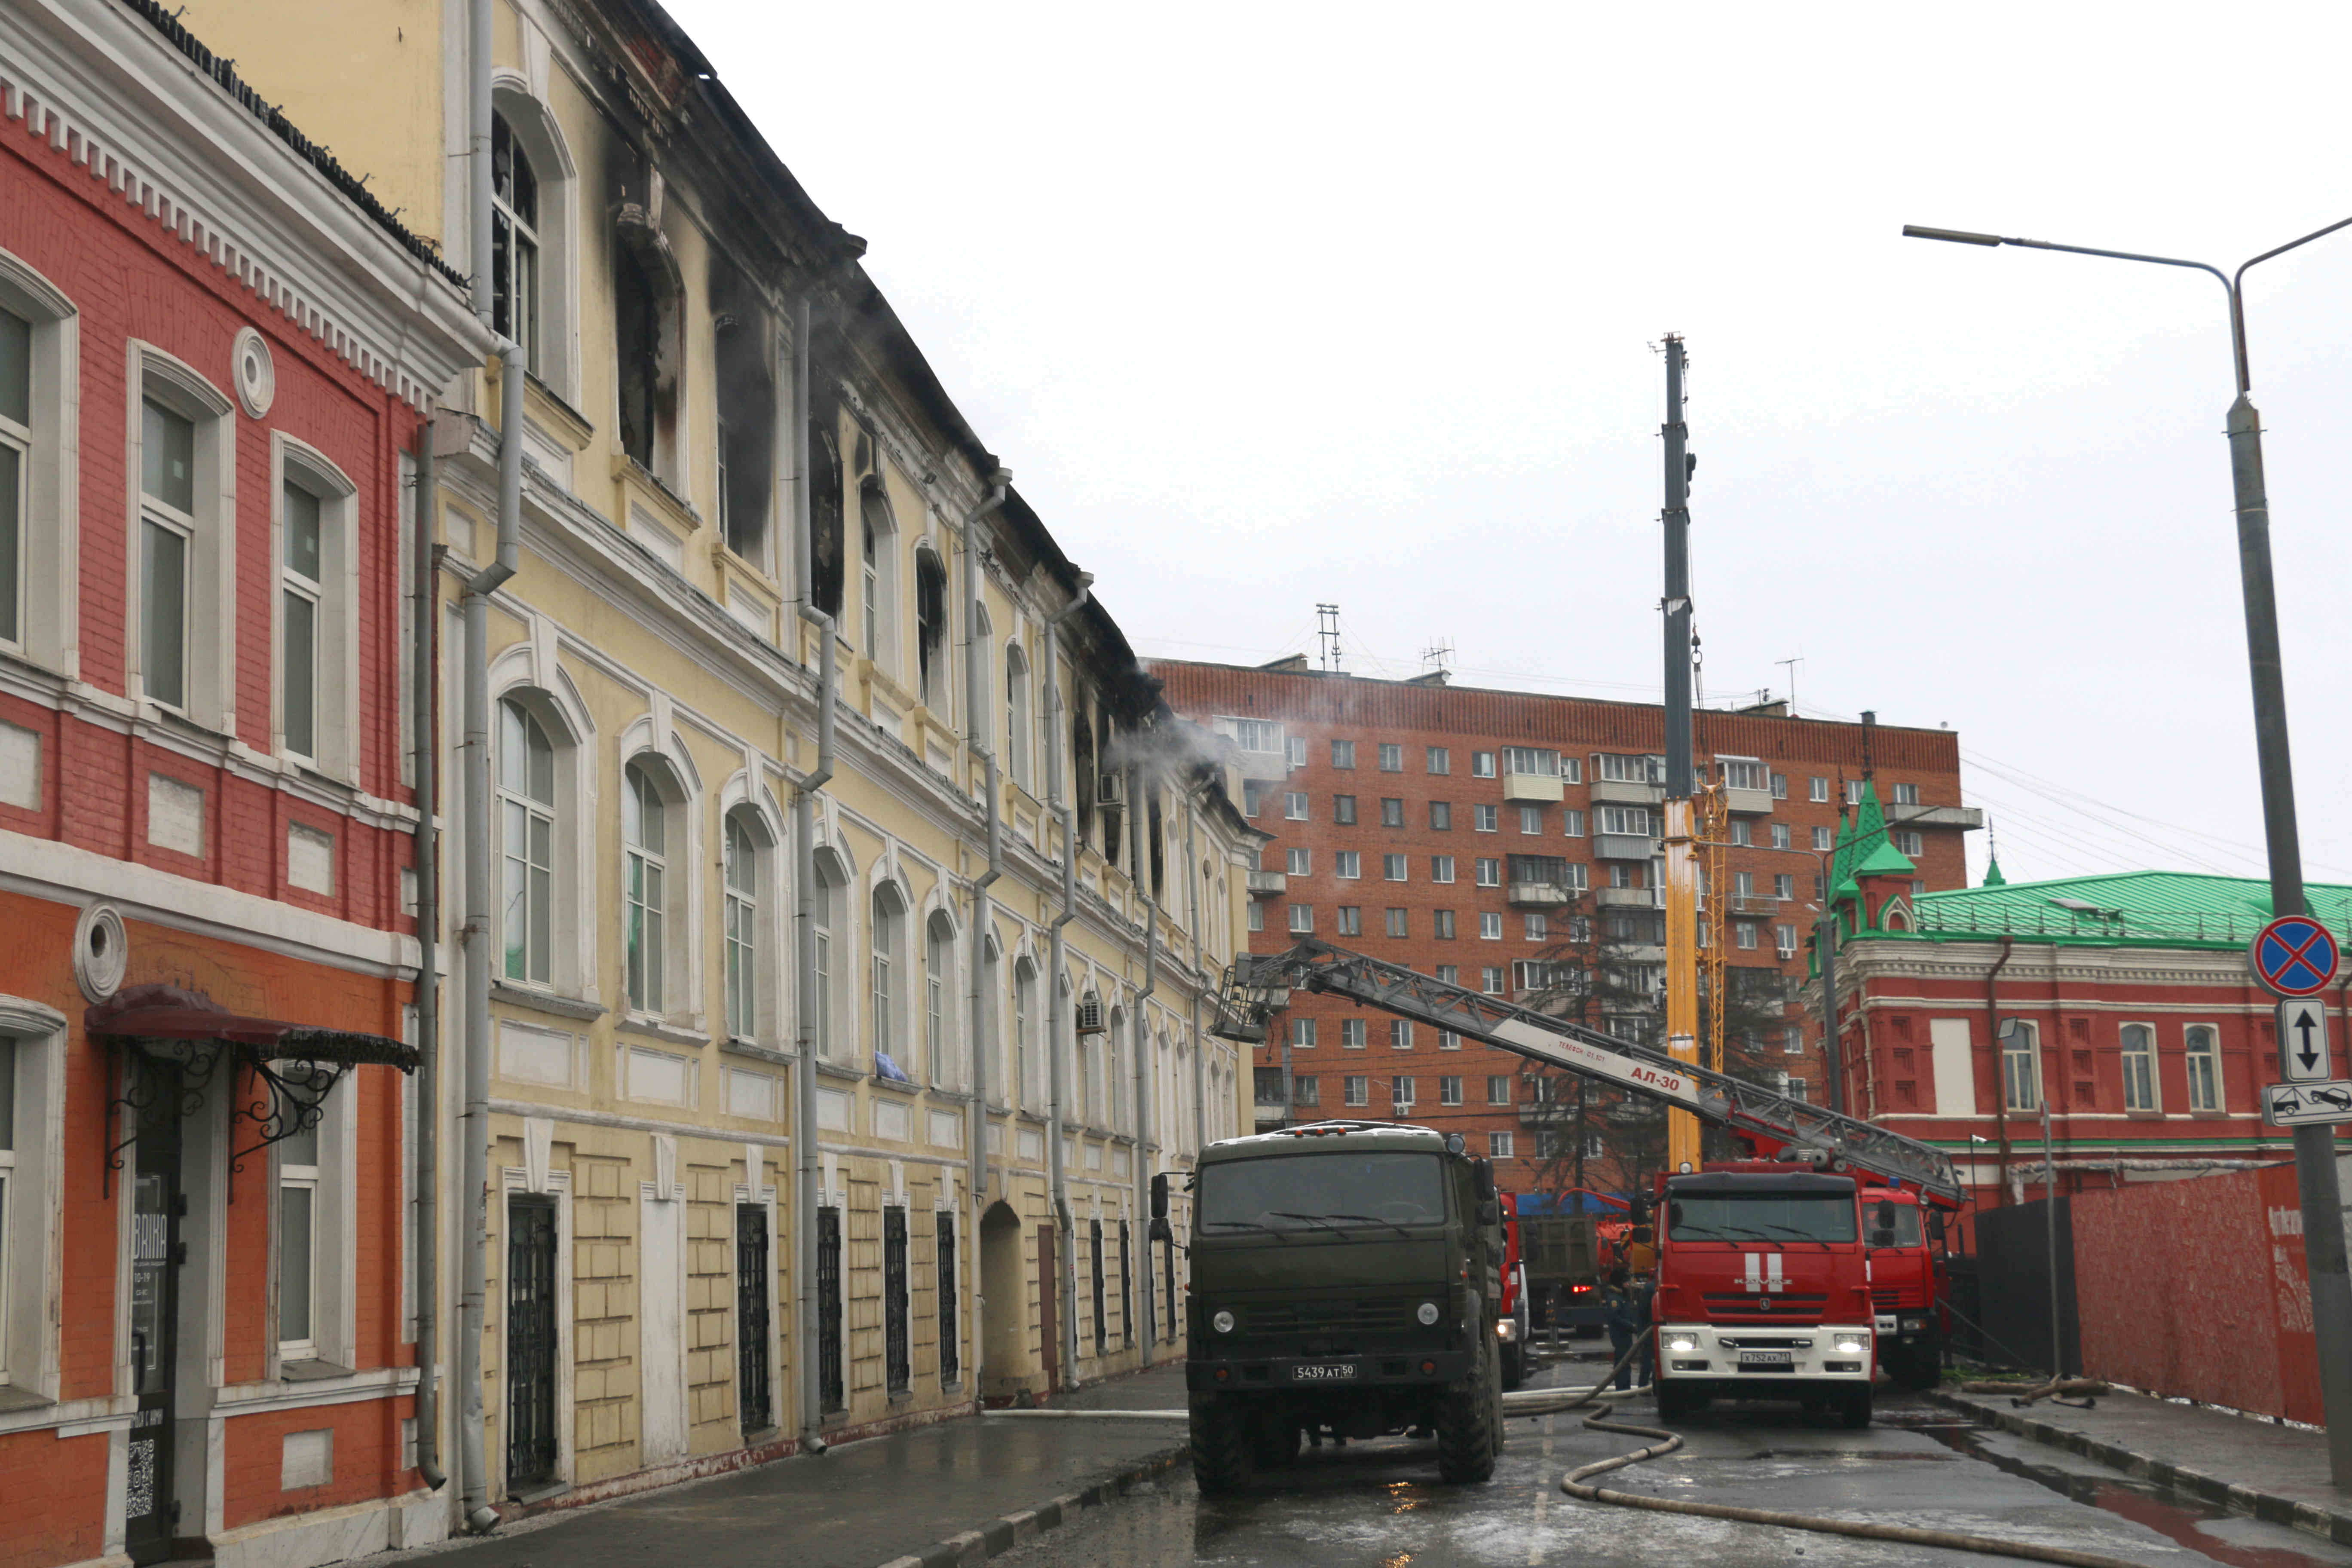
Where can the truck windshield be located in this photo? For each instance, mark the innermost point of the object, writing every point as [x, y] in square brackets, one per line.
[1905, 1231]
[1317, 1191]
[1761, 1217]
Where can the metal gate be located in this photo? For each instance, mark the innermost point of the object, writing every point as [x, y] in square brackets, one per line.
[829, 1393]
[944, 1271]
[530, 1341]
[896, 1361]
[1126, 1293]
[751, 1326]
[1102, 1324]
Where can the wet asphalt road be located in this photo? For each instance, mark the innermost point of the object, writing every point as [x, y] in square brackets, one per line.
[1381, 1503]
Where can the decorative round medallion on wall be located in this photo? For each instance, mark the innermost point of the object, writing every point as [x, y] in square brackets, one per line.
[101, 951]
[255, 372]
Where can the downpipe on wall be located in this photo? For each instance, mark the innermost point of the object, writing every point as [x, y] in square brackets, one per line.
[426, 1184]
[1138, 868]
[975, 693]
[1057, 1018]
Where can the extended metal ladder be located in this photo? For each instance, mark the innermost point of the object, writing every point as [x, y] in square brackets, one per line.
[1256, 982]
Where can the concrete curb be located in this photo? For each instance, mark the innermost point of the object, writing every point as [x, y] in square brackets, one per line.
[1007, 1530]
[2329, 1524]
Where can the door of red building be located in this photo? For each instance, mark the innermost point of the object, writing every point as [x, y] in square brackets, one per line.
[1049, 1291]
[154, 1097]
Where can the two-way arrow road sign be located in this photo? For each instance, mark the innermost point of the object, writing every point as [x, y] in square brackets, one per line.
[2302, 1040]
[2298, 1104]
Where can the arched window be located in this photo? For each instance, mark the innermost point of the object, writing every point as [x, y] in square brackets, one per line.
[1016, 715]
[932, 630]
[881, 577]
[527, 806]
[1021, 1089]
[1116, 1047]
[939, 999]
[831, 877]
[645, 296]
[885, 980]
[740, 866]
[645, 865]
[514, 242]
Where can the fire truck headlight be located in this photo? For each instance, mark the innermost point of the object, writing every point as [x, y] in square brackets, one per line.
[1223, 1323]
[1852, 1345]
[1428, 1313]
[1914, 1325]
[1681, 1344]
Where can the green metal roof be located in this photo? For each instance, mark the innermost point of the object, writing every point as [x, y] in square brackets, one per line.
[2136, 909]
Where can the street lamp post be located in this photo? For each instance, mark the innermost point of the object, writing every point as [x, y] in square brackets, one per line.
[2314, 1147]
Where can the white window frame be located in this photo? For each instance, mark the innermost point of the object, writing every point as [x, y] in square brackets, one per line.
[1296, 755]
[1817, 790]
[1490, 925]
[1298, 862]
[742, 868]
[1402, 1092]
[1531, 819]
[1536, 925]
[889, 914]
[334, 1250]
[1501, 1146]
[335, 594]
[1302, 1034]
[512, 798]
[1631, 821]
[1347, 865]
[1016, 716]
[2027, 1061]
[1400, 1033]
[1395, 868]
[1746, 937]
[1824, 840]
[1441, 869]
[552, 351]
[1449, 1089]
[645, 889]
[1744, 772]
[1571, 822]
[1438, 760]
[1352, 1033]
[1487, 871]
[1784, 885]
[1536, 761]
[1907, 795]
[1294, 806]
[32, 1195]
[2146, 1059]
[1485, 819]
[2212, 1058]
[1391, 757]
[1302, 919]
[1909, 842]
[1343, 755]
[1781, 835]
[1355, 1089]
[208, 629]
[1780, 786]
[1350, 921]
[1482, 765]
[48, 558]
[1396, 922]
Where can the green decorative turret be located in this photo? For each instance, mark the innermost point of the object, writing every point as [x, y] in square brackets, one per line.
[1992, 876]
[1864, 850]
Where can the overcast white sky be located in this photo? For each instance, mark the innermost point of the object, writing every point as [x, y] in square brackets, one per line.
[1271, 304]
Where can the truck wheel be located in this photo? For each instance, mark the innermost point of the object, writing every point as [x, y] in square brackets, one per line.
[1219, 1442]
[1466, 1419]
[1923, 1364]
[1854, 1412]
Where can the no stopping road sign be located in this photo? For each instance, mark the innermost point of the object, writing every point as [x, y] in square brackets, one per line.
[2294, 955]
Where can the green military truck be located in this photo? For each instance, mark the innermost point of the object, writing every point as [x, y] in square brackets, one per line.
[1346, 1278]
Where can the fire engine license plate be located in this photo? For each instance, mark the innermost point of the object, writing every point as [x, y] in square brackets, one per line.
[1323, 1372]
[1767, 1361]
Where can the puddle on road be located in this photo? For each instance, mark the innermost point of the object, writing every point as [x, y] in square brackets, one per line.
[2197, 1525]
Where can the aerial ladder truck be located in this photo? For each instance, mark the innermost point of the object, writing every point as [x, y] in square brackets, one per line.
[1764, 1286]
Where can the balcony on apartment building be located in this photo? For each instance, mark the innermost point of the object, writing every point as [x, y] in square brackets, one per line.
[1268, 884]
[1746, 907]
[1967, 818]
[1747, 786]
[1531, 774]
[1624, 846]
[1539, 882]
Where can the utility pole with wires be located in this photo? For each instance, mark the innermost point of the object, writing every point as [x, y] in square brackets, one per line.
[1791, 666]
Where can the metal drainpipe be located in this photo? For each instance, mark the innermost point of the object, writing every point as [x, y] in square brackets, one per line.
[1193, 918]
[1139, 864]
[975, 689]
[473, 1462]
[806, 1165]
[427, 991]
[2000, 1068]
[480, 939]
[1066, 1286]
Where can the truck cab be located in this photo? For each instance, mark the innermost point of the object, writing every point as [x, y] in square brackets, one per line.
[1906, 1274]
[1513, 1325]
[1763, 1289]
[1347, 1277]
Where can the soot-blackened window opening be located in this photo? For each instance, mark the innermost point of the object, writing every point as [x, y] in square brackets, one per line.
[747, 432]
[825, 518]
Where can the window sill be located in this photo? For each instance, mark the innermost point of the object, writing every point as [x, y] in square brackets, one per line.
[756, 1051]
[13, 1400]
[2209, 1115]
[544, 1001]
[834, 1069]
[953, 1096]
[544, 1491]
[2143, 1115]
[310, 1369]
[898, 1088]
[654, 1028]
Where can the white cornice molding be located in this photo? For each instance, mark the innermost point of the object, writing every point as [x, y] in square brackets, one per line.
[95, 82]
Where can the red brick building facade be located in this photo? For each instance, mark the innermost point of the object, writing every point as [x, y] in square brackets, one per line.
[2145, 1031]
[214, 351]
[1480, 823]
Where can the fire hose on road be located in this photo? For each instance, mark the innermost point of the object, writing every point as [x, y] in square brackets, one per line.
[1556, 1401]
